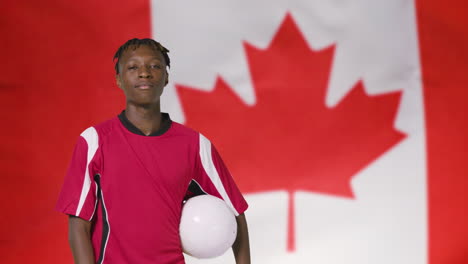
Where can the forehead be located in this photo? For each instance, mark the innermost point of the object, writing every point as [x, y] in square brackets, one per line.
[141, 52]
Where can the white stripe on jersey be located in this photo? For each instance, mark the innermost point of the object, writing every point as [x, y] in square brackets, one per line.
[92, 139]
[210, 169]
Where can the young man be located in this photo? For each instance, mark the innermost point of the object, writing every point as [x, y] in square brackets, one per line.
[128, 176]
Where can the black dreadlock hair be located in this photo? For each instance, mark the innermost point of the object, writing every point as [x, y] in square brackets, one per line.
[135, 43]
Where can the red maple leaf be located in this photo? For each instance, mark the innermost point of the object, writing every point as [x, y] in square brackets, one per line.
[290, 140]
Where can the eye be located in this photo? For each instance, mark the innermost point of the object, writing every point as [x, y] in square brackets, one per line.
[132, 67]
[156, 66]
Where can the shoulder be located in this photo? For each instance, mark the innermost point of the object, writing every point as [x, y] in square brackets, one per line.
[95, 133]
[190, 134]
[195, 137]
[182, 130]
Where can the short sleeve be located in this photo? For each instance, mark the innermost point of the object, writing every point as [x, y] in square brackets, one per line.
[78, 194]
[213, 177]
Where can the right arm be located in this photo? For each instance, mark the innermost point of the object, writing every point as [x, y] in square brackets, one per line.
[77, 197]
[79, 236]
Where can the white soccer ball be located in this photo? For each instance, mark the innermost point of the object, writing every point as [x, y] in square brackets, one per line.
[207, 227]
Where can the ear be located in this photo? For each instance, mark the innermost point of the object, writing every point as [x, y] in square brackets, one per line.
[118, 80]
[167, 78]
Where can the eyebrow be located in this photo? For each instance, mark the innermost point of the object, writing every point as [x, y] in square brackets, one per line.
[153, 58]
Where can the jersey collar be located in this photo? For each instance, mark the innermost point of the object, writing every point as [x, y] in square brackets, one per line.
[165, 125]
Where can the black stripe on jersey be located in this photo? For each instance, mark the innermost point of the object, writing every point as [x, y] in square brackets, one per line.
[195, 188]
[105, 224]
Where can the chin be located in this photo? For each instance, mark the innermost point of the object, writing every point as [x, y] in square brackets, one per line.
[145, 103]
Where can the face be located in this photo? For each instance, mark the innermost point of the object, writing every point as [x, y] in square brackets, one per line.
[142, 75]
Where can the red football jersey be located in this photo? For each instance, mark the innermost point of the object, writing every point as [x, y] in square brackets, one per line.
[132, 187]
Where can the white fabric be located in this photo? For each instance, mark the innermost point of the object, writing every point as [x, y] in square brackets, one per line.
[210, 169]
[92, 139]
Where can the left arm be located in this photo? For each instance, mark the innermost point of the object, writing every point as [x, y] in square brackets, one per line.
[241, 246]
[212, 175]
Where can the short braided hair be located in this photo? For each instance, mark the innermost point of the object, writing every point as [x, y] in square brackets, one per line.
[135, 43]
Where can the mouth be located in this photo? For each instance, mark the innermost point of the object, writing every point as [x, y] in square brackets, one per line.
[144, 86]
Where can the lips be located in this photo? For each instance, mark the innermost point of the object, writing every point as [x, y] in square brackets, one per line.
[144, 86]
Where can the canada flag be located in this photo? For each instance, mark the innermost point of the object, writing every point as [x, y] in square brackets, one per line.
[342, 122]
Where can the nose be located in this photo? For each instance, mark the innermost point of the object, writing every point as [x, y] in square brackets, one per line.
[144, 72]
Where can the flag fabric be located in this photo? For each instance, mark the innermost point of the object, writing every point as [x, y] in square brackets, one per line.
[443, 40]
[342, 122]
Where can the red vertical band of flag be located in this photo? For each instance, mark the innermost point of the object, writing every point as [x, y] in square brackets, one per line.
[56, 79]
[443, 33]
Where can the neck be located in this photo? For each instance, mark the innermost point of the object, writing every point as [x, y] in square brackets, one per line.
[145, 118]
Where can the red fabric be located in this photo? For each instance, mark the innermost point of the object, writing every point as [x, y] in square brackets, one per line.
[56, 79]
[143, 182]
[71, 189]
[443, 33]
